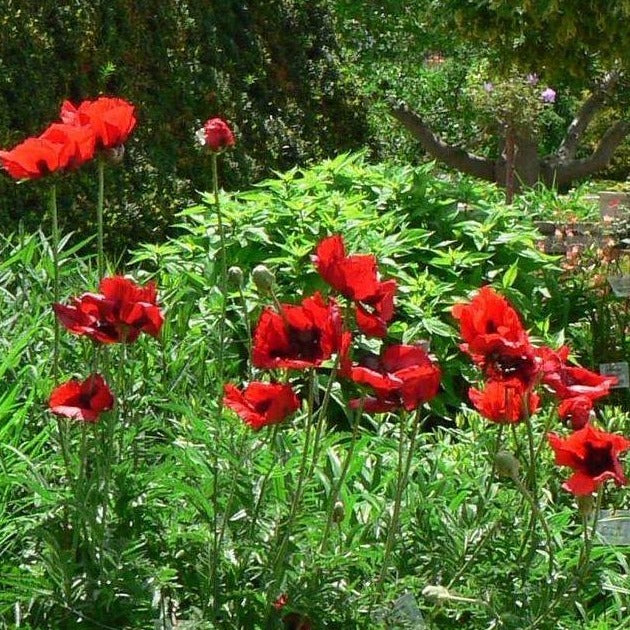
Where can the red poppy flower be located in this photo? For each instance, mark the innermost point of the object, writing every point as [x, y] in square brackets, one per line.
[111, 119]
[504, 401]
[77, 144]
[403, 376]
[576, 410]
[374, 313]
[488, 323]
[355, 277]
[300, 336]
[261, 404]
[571, 381]
[495, 338]
[216, 135]
[593, 455]
[120, 312]
[31, 159]
[82, 400]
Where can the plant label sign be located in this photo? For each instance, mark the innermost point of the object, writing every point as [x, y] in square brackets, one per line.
[615, 205]
[614, 527]
[403, 613]
[620, 285]
[620, 370]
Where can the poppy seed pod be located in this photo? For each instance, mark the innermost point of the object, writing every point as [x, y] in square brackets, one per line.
[507, 465]
[235, 276]
[339, 512]
[263, 279]
[435, 593]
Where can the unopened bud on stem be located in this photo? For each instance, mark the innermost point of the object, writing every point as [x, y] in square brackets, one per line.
[235, 276]
[507, 465]
[263, 279]
[339, 512]
[435, 593]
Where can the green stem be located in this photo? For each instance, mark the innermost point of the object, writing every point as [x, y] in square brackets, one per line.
[79, 487]
[279, 561]
[223, 287]
[61, 427]
[248, 332]
[589, 539]
[55, 257]
[481, 508]
[220, 376]
[580, 569]
[111, 420]
[334, 495]
[537, 516]
[531, 469]
[482, 543]
[402, 476]
[321, 417]
[263, 486]
[99, 217]
[235, 476]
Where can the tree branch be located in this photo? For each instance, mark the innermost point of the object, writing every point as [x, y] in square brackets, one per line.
[567, 171]
[452, 156]
[587, 111]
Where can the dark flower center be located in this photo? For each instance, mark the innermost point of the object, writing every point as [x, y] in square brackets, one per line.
[491, 327]
[304, 343]
[521, 367]
[598, 459]
[262, 407]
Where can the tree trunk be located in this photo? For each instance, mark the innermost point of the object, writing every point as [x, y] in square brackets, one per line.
[520, 165]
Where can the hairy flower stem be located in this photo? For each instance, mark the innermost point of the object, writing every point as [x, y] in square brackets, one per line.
[224, 276]
[402, 475]
[55, 259]
[248, 332]
[537, 516]
[334, 495]
[589, 538]
[581, 569]
[100, 260]
[279, 560]
[321, 418]
[220, 375]
[483, 504]
[108, 436]
[244, 455]
[263, 486]
[531, 469]
[485, 539]
[61, 427]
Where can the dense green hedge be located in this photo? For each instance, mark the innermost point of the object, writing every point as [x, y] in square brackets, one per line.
[270, 67]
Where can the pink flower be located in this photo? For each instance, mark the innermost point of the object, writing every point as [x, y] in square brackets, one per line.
[548, 96]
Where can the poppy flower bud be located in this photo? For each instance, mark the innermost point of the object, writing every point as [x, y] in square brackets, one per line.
[235, 276]
[263, 279]
[435, 593]
[339, 512]
[216, 135]
[506, 464]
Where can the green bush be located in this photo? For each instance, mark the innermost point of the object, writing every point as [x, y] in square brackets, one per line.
[440, 238]
[270, 68]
